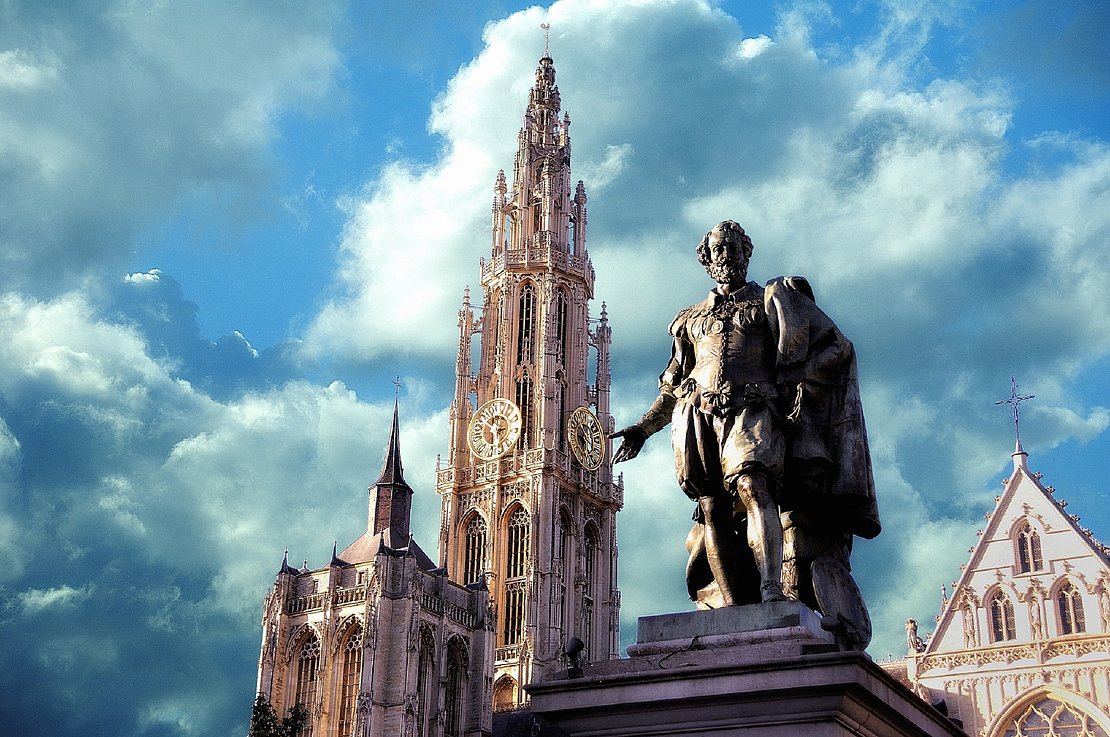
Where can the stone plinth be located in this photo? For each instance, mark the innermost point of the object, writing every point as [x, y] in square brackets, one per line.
[766, 670]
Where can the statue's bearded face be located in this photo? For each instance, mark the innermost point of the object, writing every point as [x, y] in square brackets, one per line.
[726, 262]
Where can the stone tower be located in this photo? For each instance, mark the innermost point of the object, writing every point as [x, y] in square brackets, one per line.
[528, 496]
[379, 642]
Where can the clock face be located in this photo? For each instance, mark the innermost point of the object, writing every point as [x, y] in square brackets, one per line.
[493, 429]
[586, 438]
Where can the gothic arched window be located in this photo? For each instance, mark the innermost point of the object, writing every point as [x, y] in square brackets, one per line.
[1070, 606]
[519, 526]
[504, 694]
[526, 326]
[1001, 611]
[561, 314]
[474, 554]
[425, 679]
[564, 560]
[307, 678]
[588, 599]
[1052, 716]
[527, 411]
[516, 566]
[1029, 549]
[454, 697]
[561, 411]
[351, 677]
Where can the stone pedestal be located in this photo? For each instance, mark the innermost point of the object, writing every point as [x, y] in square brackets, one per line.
[765, 670]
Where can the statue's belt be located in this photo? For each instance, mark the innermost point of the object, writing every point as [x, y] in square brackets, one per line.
[727, 398]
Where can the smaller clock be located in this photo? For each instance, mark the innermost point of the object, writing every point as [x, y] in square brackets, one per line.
[493, 429]
[587, 439]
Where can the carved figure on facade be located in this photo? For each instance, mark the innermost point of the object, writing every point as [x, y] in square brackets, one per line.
[769, 441]
[913, 640]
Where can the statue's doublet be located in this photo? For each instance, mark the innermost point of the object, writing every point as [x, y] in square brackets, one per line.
[724, 354]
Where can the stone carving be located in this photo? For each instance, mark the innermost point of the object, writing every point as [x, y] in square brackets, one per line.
[913, 640]
[769, 441]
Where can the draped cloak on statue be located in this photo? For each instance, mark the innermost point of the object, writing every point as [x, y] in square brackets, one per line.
[824, 428]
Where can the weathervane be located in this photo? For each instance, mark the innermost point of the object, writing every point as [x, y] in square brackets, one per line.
[1014, 400]
[546, 40]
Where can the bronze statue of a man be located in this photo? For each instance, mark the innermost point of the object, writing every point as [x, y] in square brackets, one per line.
[768, 439]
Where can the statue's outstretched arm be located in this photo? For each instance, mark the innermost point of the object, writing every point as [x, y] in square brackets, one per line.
[658, 416]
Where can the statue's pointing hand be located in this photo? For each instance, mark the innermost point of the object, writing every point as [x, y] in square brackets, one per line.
[632, 438]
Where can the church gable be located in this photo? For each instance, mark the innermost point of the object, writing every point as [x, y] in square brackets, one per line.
[1034, 573]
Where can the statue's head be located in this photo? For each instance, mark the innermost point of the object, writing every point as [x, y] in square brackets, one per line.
[724, 252]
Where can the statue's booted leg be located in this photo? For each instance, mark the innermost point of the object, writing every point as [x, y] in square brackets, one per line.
[720, 541]
[764, 530]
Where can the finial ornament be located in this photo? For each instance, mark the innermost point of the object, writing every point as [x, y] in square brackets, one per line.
[1014, 400]
[546, 40]
[397, 388]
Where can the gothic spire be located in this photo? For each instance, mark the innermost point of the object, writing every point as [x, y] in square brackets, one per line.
[392, 472]
[391, 496]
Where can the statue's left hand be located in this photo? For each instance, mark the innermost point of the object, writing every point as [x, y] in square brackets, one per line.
[632, 438]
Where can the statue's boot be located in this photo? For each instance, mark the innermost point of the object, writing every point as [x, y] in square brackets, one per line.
[721, 550]
[764, 534]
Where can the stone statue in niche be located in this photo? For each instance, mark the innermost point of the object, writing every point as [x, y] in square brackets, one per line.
[769, 441]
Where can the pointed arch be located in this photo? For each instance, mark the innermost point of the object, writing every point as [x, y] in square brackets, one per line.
[591, 544]
[504, 694]
[458, 669]
[306, 679]
[517, 526]
[350, 678]
[475, 542]
[564, 552]
[1000, 615]
[1050, 709]
[1067, 600]
[1028, 543]
[526, 323]
[425, 680]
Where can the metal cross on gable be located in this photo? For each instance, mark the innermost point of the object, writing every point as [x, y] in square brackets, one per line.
[1014, 400]
[397, 387]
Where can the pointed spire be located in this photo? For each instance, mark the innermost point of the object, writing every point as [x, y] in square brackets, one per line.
[392, 472]
[285, 567]
[391, 496]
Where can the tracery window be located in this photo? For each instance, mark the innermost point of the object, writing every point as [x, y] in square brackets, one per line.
[561, 410]
[561, 307]
[1069, 603]
[527, 409]
[455, 689]
[1001, 611]
[588, 592]
[425, 678]
[475, 549]
[1053, 718]
[564, 553]
[516, 566]
[519, 527]
[1029, 549]
[513, 632]
[349, 685]
[526, 327]
[308, 672]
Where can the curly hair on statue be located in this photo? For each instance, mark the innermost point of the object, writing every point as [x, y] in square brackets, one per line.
[733, 234]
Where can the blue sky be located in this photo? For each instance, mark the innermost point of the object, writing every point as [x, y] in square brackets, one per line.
[225, 227]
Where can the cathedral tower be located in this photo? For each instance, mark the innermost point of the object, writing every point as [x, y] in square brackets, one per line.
[528, 497]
